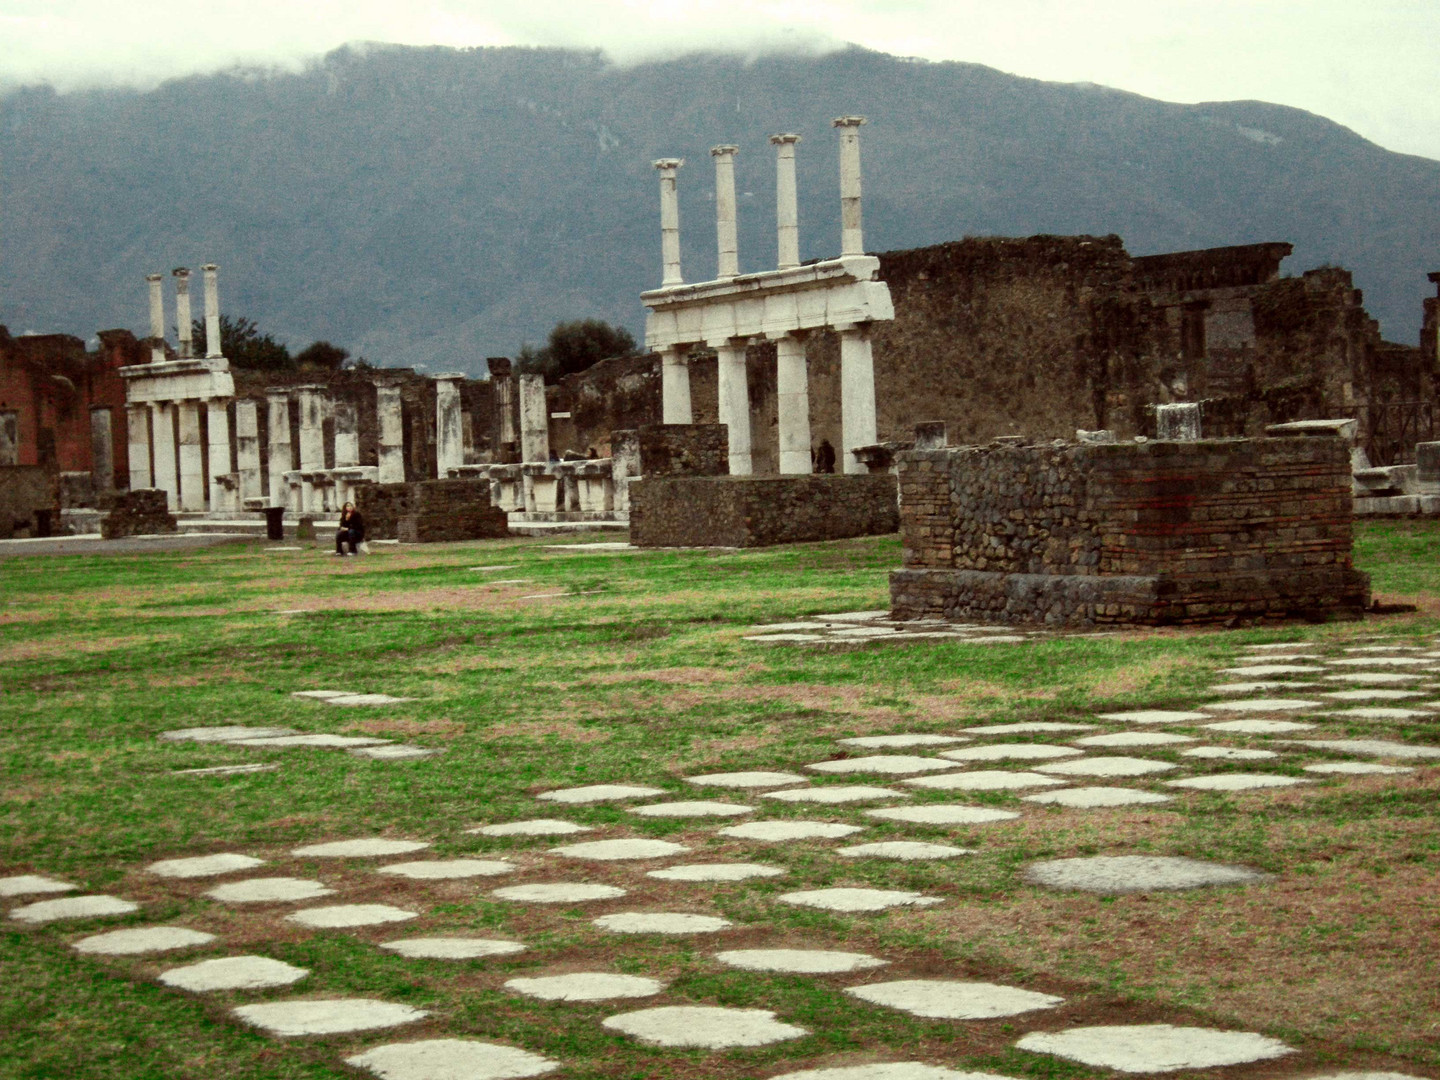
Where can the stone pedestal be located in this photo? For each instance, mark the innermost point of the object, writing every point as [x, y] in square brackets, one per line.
[857, 396]
[534, 420]
[167, 477]
[390, 415]
[137, 424]
[247, 449]
[792, 392]
[1178, 422]
[192, 457]
[734, 399]
[222, 476]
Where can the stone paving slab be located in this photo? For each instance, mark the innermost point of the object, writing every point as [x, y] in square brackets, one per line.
[1373, 747]
[224, 734]
[983, 780]
[893, 742]
[1009, 752]
[366, 699]
[1356, 768]
[890, 764]
[330, 1016]
[757, 779]
[614, 850]
[204, 865]
[451, 948]
[715, 872]
[781, 638]
[799, 961]
[1093, 798]
[891, 1070]
[1106, 766]
[1383, 648]
[233, 973]
[1228, 753]
[369, 847]
[780, 831]
[97, 906]
[276, 890]
[1380, 713]
[29, 884]
[447, 869]
[1152, 1048]
[1154, 716]
[1279, 646]
[856, 899]
[142, 939]
[904, 850]
[1372, 694]
[225, 770]
[599, 793]
[322, 695]
[696, 808]
[944, 999]
[531, 827]
[343, 916]
[451, 1059]
[703, 1027]
[1258, 687]
[1375, 678]
[341, 742]
[586, 986]
[661, 922]
[1027, 727]
[1254, 705]
[1114, 874]
[1260, 670]
[1135, 738]
[559, 892]
[1260, 727]
[395, 752]
[1380, 661]
[837, 793]
[1235, 782]
[943, 814]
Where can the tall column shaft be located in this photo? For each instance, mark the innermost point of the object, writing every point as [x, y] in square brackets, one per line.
[449, 439]
[157, 319]
[212, 310]
[787, 213]
[347, 435]
[675, 388]
[102, 449]
[734, 404]
[534, 419]
[728, 245]
[217, 433]
[182, 311]
[137, 435]
[280, 453]
[192, 457]
[669, 221]
[392, 434]
[792, 393]
[857, 395]
[852, 241]
[312, 429]
[247, 449]
[162, 423]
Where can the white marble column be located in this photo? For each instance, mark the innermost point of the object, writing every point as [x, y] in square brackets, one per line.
[182, 311]
[792, 393]
[734, 403]
[162, 424]
[669, 221]
[857, 395]
[449, 439]
[390, 417]
[852, 241]
[347, 435]
[728, 245]
[192, 457]
[212, 311]
[157, 319]
[217, 425]
[312, 428]
[280, 453]
[137, 437]
[102, 449]
[247, 450]
[787, 214]
[675, 387]
[534, 419]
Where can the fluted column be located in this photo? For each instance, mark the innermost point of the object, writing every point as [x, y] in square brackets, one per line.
[217, 425]
[857, 395]
[792, 393]
[182, 311]
[212, 311]
[787, 214]
[669, 221]
[728, 258]
[852, 241]
[157, 319]
[734, 403]
[137, 425]
[675, 387]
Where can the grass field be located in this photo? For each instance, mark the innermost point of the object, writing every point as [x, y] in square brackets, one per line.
[639, 673]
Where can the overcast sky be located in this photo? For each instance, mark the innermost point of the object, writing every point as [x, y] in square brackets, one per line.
[1373, 65]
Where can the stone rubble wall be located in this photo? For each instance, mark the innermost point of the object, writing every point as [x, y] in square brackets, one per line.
[430, 511]
[137, 513]
[29, 501]
[757, 511]
[683, 449]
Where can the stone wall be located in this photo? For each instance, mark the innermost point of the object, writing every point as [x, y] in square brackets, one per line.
[29, 501]
[1157, 532]
[756, 511]
[430, 511]
[137, 513]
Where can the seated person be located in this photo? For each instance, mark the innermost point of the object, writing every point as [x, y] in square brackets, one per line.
[352, 530]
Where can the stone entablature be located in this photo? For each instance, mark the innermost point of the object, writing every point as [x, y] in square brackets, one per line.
[178, 380]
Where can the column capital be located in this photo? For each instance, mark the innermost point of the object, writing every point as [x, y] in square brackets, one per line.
[721, 151]
[182, 277]
[154, 277]
[668, 165]
[847, 121]
[210, 268]
[784, 137]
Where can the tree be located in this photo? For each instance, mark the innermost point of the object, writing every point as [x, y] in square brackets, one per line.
[322, 354]
[575, 346]
[244, 346]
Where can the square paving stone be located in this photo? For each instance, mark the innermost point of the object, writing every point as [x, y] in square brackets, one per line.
[586, 986]
[893, 742]
[1154, 716]
[531, 827]
[233, 973]
[1134, 738]
[142, 939]
[1115, 874]
[1373, 747]
[343, 916]
[703, 1027]
[225, 733]
[887, 1070]
[600, 793]
[697, 808]
[715, 872]
[837, 793]
[204, 865]
[853, 899]
[944, 999]
[1091, 798]
[367, 848]
[27, 884]
[613, 850]
[1236, 782]
[943, 814]
[1355, 768]
[1106, 766]
[1259, 727]
[1254, 705]
[74, 907]
[1009, 752]
[341, 742]
[984, 780]
[1152, 1048]
[1376, 678]
[781, 831]
[660, 922]
[274, 890]
[1027, 727]
[451, 1059]
[1228, 753]
[327, 1016]
[890, 764]
[452, 948]
[799, 961]
[747, 779]
[559, 892]
[904, 850]
[448, 869]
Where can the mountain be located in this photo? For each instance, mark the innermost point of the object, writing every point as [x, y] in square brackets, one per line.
[434, 206]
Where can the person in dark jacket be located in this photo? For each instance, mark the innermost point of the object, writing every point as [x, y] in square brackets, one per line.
[352, 530]
[825, 457]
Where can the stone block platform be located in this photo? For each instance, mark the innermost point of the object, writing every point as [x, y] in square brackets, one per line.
[1141, 533]
[757, 511]
[431, 511]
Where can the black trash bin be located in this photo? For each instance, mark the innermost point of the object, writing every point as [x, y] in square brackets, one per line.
[274, 522]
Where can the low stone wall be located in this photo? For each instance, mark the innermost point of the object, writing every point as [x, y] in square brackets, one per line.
[1151, 533]
[678, 449]
[29, 501]
[137, 513]
[756, 511]
[430, 511]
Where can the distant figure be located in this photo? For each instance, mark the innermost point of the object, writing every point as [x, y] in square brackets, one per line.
[591, 455]
[352, 531]
[825, 457]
